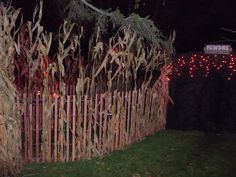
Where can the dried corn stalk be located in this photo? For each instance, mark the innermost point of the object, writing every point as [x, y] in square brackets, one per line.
[10, 140]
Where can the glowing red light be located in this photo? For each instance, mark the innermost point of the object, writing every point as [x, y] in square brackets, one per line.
[55, 95]
[204, 65]
[44, 74]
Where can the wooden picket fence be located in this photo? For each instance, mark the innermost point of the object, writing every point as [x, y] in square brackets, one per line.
[85, 127]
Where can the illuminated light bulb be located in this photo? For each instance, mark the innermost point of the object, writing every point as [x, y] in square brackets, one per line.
[229, 78]
[55, 95]
[44, 74]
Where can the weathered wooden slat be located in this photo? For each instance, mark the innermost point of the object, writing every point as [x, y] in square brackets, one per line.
[43, 147]
[104, 133]
[100, 124]
[73, 126]
[79, 129]
[49, 139]
[25, 128]
[85, 127]
[132, 118]
[118, 120]
[55, 128]
[67, 128]
[89, 139]
[112, 121]
[37, 127]
[95, 123]
[129, 117]
[30, 128]
[61, 130]
[122, 121]
[139, 115]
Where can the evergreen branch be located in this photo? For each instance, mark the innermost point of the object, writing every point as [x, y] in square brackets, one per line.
[141, 25]
[95, 8]
[228, 30]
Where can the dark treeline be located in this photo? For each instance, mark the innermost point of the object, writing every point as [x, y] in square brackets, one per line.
[196, 22]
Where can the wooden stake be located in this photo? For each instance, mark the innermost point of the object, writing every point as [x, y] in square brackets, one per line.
[30, 129]
[37, 127]
[95, 122]
[85, 125]
[100, 124]
[55, 128]
[129, 117]
[67, 129]
[25, 128]
[73, 127]
[61, 122]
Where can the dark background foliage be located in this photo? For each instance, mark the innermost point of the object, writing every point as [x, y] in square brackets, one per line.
[203, 104]
[196, 22]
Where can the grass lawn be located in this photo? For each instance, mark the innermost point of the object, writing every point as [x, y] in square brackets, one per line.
[166, 154]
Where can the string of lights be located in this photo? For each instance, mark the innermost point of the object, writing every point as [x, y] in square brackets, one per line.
[202, 66]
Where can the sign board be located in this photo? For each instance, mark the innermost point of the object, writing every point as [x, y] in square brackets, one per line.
[218, 49]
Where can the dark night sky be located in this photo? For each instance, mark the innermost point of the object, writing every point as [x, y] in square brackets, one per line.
[197, 22]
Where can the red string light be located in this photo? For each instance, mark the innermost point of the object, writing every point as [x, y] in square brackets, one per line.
[203, 66]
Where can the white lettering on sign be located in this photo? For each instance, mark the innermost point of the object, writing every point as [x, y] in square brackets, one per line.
[218, 49]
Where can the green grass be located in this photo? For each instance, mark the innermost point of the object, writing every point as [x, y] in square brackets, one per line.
[166, 154]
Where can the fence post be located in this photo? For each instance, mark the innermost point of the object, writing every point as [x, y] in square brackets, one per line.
[100, 124]
[30, 128]
[73, 126]
[95, 137]
[85, 126]
[67, 128]
[25, 127]
[61, 124]
[55, 128]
